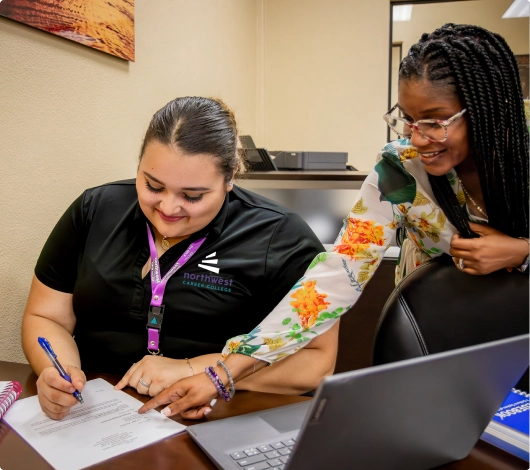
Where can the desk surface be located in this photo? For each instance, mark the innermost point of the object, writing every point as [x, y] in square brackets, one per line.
[180, 451]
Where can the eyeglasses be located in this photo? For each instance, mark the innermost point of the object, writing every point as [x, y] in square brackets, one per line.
[433, 130]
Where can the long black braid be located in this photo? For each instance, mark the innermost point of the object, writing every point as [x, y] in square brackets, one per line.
[483, 70]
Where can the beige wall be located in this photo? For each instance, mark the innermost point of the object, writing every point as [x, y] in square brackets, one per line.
[72, 117]
[325, 76]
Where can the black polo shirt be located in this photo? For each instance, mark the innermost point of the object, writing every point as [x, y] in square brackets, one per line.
[99, 246]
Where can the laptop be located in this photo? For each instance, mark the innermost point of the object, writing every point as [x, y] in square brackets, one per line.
[413, 414]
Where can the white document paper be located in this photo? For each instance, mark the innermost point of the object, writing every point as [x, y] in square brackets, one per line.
[106, 425]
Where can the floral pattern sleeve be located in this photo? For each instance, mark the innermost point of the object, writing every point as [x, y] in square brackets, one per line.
[332, 283]
[396, 196]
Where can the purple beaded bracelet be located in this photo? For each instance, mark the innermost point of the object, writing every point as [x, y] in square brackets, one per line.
[208, 373]
[221, 390]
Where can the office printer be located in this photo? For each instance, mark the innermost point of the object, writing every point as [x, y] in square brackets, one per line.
[285, 160]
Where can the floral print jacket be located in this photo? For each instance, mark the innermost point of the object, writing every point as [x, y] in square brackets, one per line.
[396, 196]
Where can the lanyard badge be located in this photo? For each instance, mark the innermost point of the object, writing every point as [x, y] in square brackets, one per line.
[158, 286]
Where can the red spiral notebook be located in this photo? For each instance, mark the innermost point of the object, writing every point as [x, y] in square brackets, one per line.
[9, 392]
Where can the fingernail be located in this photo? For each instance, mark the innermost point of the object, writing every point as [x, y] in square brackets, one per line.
[166, 411]
[208, 410]
[213, 402]
[71, 389]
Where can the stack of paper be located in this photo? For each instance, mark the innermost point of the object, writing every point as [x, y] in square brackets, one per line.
[106, 425]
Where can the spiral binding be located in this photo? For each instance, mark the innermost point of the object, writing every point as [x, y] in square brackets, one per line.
[8, 395]
[520, 392]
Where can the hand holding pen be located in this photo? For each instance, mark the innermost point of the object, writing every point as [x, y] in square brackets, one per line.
[55, 396]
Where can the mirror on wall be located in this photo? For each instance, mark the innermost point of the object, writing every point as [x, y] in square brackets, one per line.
[411, 20]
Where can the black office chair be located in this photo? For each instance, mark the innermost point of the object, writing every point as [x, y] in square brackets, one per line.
[437, 308]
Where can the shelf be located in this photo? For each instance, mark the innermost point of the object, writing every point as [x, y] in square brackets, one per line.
[303, 180]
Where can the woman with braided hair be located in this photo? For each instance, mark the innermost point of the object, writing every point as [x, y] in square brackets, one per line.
[456, 183]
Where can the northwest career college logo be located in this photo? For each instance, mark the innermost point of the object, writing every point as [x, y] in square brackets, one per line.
[208, 261]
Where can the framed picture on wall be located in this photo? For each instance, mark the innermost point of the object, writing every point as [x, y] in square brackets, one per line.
[105, 25]
[524, 73]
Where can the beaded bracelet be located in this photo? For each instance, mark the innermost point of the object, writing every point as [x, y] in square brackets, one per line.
[232, 390]
[216, 384]
[221, 390]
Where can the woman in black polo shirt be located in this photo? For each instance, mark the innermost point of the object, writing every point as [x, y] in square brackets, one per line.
[170, 264]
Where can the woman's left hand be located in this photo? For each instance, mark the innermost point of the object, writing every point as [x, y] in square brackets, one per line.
[157, 373]
[492, 251]
[191, 398]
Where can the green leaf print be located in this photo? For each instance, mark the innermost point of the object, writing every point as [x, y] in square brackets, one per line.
[247, 349]
[432, 251]
[286, 321]
[318, 259]
[395, 183]
[296, 326]
[451, 176]
[325, 315]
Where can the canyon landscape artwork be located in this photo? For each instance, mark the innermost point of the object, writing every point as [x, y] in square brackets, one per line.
[105, 25]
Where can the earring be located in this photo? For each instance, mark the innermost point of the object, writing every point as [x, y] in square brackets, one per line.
[231, 184]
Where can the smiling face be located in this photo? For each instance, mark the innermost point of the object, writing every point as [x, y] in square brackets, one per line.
[420, 99]
[179, 194]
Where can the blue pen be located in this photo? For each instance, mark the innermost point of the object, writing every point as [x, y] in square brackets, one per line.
[44, 344]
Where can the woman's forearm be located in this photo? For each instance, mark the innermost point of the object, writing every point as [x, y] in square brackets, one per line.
[299, 372]
[294, 375]
[49, 313]
[239, 365]
[60, 339]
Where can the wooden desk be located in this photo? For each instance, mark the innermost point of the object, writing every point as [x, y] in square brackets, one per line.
[180, 451]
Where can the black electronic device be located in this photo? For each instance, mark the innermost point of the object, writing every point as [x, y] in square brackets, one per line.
[257, 159]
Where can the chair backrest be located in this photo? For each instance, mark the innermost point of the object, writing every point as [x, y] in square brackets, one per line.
[437, 308]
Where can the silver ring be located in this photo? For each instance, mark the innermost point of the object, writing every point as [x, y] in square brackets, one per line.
[461, 264]
[144, 384]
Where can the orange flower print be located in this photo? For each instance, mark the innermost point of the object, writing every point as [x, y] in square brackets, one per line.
[358, 236]
[425, 225]
[233, 346]
[403, 209]
[308, 303]
[392, 225]
[408, 154]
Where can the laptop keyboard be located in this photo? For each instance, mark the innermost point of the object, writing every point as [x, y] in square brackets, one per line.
[271, 456]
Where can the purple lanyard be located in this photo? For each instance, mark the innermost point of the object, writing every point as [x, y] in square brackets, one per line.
[158, 286]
